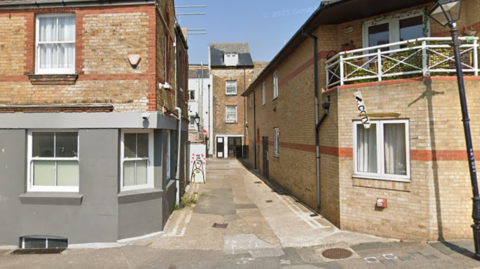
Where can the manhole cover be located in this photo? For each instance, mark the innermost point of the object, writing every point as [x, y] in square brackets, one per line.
[336, 253]
[218, 225]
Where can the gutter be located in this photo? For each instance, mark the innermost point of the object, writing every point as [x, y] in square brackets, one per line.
[75, 3]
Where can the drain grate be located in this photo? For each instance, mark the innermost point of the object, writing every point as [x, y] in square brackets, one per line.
[37, 251]
[268, 201]
[219, 225]
[336, 253]
[257, 182]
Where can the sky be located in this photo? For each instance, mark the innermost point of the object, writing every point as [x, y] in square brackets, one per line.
[267, 25]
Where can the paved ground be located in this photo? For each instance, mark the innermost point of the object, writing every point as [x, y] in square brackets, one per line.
[242, 222]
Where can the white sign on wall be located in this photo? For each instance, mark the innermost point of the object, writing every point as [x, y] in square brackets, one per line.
[198, 163]
[362, 109]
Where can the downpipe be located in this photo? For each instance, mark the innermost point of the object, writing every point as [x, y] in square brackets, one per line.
[177, 173]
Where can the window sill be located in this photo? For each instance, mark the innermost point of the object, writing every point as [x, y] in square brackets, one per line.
[387, 184]
[232, 122]
[231, 94]
[58, 79]
[51, 198]
[135, 196]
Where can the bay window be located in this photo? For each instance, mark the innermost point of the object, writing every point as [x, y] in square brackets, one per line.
[136, 160]
[383, 150]
[53, 161]
[55, 44]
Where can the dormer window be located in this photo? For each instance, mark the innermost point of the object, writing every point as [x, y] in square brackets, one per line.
[231, 59]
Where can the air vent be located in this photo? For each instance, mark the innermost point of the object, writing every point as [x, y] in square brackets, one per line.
[41, 245]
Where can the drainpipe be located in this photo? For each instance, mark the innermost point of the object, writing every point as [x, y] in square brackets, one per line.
[254, 133]
[177, 173]
[317, 123]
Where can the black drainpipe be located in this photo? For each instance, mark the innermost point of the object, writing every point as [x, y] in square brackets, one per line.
[317, 122]
[254, 133]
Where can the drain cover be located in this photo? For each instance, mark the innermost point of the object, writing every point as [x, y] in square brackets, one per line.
[257, 182]
[336, 253]
[268, 201]
[218, 225]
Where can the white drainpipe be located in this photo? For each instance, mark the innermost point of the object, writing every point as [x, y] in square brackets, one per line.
[177, 174]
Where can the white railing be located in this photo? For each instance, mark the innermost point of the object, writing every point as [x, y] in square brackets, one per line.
[412, 58]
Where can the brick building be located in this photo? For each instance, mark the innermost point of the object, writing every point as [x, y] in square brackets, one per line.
[405, 144]
[91, 136]
[231, 67]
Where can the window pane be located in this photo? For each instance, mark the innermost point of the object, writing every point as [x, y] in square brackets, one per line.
[367, 149]
[142, 145]
[44, 173]
[42, 144]
[67, 145]
[47, 28]
[35, 243]
[66, 28]
[129, 142]
[378, 35]
[128, 173]
[67, 173]
[141, 172]
[395, 149]
[57, 243]
[411, 28]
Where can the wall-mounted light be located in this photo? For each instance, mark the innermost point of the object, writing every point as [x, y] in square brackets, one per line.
[134, 60]
[165, 86]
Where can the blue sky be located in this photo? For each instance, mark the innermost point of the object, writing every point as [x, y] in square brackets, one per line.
[265, 24]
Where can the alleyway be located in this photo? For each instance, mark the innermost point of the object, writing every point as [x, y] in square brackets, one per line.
[241, 222]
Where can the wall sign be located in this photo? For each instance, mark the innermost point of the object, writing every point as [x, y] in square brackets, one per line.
[362, 109]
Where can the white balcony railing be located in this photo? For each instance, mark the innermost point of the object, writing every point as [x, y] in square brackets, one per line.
[412, 58]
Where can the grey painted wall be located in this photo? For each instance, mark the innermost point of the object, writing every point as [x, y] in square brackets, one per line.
[99, 212]
[12, 183]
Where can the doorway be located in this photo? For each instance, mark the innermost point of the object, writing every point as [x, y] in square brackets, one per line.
[220, 147]
[235, 147]
[265, 155]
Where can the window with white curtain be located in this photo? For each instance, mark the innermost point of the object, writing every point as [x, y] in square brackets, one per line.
[275, 85]
[55, 44]
[136, 159]
[53, 161]
[383, 150]
[231, 86]
[263, 93]
[231, 113]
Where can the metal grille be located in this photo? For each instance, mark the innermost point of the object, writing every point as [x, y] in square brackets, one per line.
[336, 253]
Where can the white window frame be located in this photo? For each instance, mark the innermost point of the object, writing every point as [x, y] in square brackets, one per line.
[189, 95]
[227, 86]
[381, 175]
[275, 84]
[393, 25]
[263, 93]
[226, 115]
[30, 159]
[276, 142]
[150, 177]
[39, 70]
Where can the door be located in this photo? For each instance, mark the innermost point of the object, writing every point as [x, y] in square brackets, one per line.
[220, 147]
[265, 155]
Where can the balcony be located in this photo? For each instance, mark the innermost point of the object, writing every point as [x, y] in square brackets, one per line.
[412, 58]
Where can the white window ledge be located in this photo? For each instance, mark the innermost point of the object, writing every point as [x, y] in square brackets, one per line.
[135, 196]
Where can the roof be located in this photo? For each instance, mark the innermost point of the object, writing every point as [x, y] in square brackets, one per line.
[218, 50]
[332, 12]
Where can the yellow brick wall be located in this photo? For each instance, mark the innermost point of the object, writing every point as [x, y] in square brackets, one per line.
[12, 46]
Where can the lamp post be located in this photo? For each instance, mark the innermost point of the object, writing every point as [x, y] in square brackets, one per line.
[197, 121]
[447, 13]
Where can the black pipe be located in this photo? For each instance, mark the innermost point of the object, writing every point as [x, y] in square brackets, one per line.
[468, 141]
[254, 133]
[317, 143]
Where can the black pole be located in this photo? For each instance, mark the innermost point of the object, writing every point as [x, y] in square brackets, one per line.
[468, 141]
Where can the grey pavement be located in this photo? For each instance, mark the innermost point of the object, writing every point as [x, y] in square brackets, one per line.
[243, 221]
